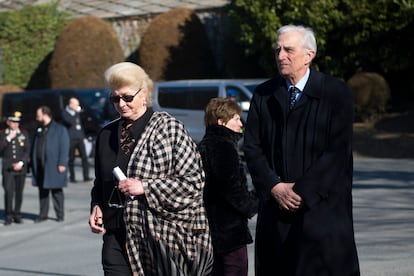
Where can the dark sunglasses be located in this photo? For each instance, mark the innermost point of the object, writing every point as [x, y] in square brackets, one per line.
[125, 98]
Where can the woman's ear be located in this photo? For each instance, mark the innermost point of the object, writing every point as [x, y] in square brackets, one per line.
[220, 122]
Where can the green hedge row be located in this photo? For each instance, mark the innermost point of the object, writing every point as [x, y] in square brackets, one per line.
[27, 38]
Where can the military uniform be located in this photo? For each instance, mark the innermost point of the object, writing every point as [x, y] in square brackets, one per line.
[15, 150]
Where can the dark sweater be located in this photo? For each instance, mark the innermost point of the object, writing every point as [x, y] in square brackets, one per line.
[228, 202]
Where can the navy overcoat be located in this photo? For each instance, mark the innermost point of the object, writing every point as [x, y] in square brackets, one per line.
[56, 153]
[311, 146]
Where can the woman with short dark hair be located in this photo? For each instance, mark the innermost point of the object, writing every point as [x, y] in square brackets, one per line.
[228, 202]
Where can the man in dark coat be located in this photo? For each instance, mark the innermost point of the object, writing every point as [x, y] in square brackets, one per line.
[15, 150]
[49, 156]
[298, 147]
[72, 120]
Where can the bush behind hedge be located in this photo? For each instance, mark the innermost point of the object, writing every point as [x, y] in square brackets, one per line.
[86, 47]
[5, 89]
[371, 95]
[175, 46]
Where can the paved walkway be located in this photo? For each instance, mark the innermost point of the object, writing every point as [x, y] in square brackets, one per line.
[383, 212]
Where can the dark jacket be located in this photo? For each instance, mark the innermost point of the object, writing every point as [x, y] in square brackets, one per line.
[18, 149]
[311, 146]
[74, 124]
[228, 202]
[55, 153]
[106, 158]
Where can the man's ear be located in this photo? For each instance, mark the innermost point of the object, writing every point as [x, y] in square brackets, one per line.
[309, 55]
[220, 122]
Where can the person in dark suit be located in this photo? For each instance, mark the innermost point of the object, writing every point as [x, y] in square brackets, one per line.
[298, 148]
[72, 120]
[153, 220]
[15, 150]
[228, 201]
[49, 160]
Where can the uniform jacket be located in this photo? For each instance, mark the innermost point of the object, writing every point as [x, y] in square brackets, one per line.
[228, 202]
[56, 153]
[311, 146]
[18, 149]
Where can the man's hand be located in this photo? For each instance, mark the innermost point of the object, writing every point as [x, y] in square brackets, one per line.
[286, 197]
[17, 166]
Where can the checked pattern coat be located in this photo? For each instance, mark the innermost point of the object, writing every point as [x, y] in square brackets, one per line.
[167, 228]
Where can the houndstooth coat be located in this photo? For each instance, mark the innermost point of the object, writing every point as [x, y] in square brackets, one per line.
[167, 228]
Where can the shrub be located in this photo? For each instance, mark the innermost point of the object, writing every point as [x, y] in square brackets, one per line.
[86, 47]
[5, 89]
[371, 95]
[175, 46]
[26, 39]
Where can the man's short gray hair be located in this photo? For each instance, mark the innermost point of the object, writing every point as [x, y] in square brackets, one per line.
[309, 40]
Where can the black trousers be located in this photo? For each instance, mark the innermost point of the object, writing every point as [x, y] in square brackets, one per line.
[114, 256]
[13, 184]
[57, 198]
[78, 144]
[233, 263]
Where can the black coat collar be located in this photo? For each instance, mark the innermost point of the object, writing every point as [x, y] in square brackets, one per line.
[222, 131]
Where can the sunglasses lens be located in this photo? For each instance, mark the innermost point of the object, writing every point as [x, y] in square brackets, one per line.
[128, 98]
[116, 99]
[125, 98]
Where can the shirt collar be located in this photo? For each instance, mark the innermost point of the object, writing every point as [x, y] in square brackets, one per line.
[301, 83]
[70, 111]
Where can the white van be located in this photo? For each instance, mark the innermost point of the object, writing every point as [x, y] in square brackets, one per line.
[186, 99]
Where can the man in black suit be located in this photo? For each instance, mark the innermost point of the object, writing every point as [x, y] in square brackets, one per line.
[298, 147]
[15, 150]
[72, 120]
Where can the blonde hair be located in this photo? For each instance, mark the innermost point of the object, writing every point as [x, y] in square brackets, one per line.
[128, 74]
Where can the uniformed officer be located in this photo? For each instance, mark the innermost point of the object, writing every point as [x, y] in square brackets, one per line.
[15, 150]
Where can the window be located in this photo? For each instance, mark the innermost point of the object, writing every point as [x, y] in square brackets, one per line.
[236, 93]
[186, 97]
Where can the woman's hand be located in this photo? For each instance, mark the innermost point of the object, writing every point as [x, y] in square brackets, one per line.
[131, 187]
[95, 220]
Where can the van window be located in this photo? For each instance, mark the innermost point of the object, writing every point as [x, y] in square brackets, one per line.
[236, 93]
[186, 97]
[239, 96]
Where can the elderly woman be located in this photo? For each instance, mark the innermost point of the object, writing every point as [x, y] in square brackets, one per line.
[228, 202]
[153, 220]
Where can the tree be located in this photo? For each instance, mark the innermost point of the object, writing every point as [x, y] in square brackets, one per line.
[376, 36]
[352, 36]
[259, 20]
